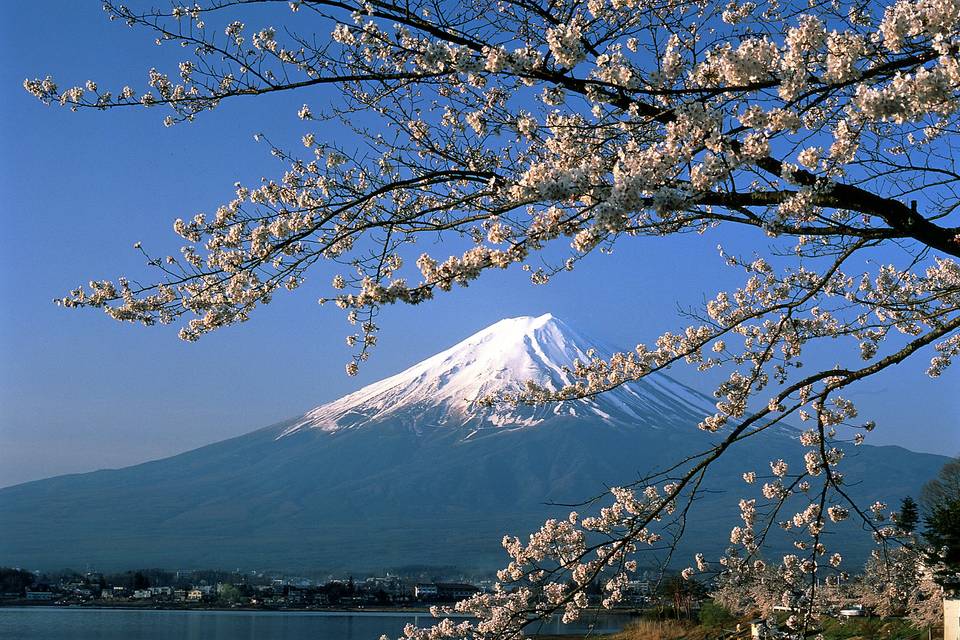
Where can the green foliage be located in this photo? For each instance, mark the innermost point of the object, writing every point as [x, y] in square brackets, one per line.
[714, 615]
[941, 501]
[909, 516]
[942, 533]
[139, 579]
[942, 490]
[832, 629]
[872, 628]
[230, 594]
[14, 580]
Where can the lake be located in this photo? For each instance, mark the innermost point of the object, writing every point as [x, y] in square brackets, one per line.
[52, 623]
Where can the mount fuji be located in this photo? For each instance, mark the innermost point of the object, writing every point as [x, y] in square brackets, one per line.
[411, 471]
[444, 391]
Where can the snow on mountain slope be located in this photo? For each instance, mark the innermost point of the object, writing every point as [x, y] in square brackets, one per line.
[443, 390]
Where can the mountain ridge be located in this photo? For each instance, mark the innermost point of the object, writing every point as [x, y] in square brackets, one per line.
[448, 386]
[421, 484]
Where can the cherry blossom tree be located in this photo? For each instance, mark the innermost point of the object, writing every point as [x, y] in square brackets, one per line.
[506, 128]
[900, 583]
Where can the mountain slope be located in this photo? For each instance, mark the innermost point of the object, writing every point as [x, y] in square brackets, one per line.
[409, 470]
[444, 390]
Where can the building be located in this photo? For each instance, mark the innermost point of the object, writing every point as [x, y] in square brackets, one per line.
[40, 595]
[444, 591]
[425, 591]
[639, 587]
[951, 619]
[296, 595]
[388, 584]
[455, 590]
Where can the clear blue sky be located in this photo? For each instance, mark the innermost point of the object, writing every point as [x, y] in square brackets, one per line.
[80, 392]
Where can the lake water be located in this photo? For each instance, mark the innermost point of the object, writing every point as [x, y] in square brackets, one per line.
[51, 623]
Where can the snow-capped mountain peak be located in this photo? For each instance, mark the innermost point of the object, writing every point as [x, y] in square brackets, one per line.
[444, 390]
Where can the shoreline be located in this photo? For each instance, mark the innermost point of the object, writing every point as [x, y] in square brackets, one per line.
[332, 612]
[185, 607]
[175, 607]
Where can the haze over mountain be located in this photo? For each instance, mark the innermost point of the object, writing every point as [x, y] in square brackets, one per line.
[411, 470]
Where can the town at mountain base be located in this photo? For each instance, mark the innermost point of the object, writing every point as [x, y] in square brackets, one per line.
[412, 470]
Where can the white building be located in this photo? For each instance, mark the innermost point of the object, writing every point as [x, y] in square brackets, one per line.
[425, 591]
[951, 619]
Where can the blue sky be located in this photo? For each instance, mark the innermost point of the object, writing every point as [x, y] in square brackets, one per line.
[80, 392]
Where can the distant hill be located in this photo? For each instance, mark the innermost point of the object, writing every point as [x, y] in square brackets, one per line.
[410, 470]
